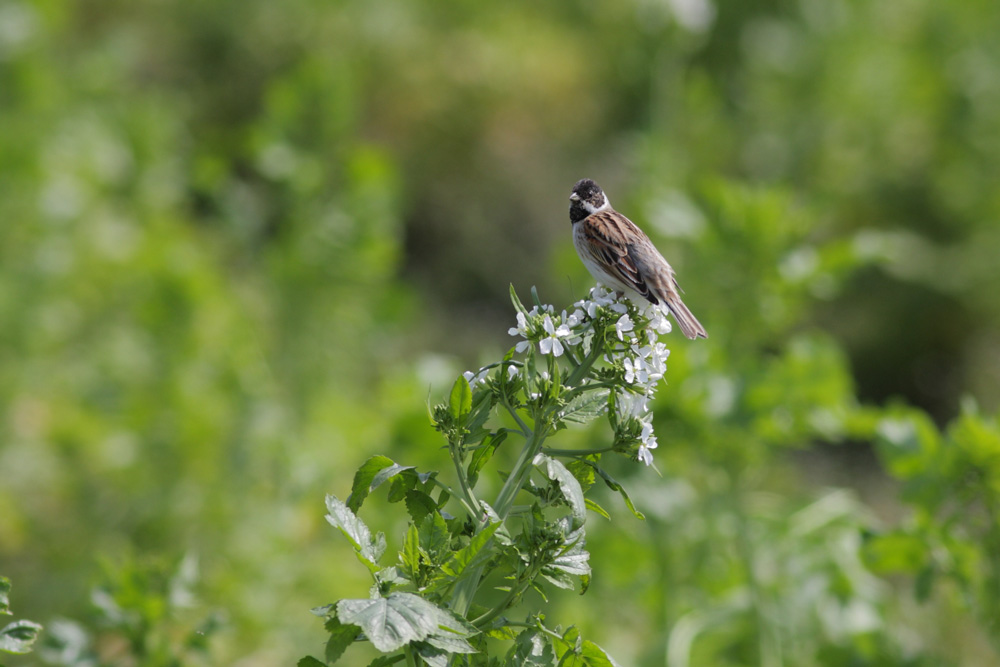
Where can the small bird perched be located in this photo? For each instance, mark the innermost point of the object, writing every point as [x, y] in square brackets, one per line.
[620, 256]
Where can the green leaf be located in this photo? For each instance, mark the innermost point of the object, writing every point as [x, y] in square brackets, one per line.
[4, 595]
[363, 480]
[482, 455]
[419, 505]
[400, 486]
[594, 507]
[451, 644]
[369, 549]
[568, 484]
[583, 473]
[574, 558]
[18, 637]
[385, 661]
[530, 650]
[431, 656]
[410, 555]
[576, 652]
[472, 553]
[310, 661]
[435, 538]
[394, 621]
[460, 403]
[615, 486]
[389, 473]
[586, 407]
[342, 635]
[516, 301]
[480, 412]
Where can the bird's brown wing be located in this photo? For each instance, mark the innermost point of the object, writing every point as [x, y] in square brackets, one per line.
[610, 240]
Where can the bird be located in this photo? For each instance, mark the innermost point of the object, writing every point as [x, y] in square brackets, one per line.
[620, 256]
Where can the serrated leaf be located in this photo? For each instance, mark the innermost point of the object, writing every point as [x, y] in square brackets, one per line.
[369, 549]
[400, 485]
[342, 635]
[410, 554]
[18, 637]
[394, 621]
[460, 402]
[419, 505]
[558, 579]
[472, 553]
[310, 661]
[568, 484]
[574, 558]
[435, 538]
[594, 507]
[431, 656]
[451, 644]
[586, 407]
[363, 480]
[531, 649]
[583, 473]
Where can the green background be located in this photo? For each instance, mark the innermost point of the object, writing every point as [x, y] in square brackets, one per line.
[244, 243]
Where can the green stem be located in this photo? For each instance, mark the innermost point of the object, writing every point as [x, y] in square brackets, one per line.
[515, 592]
[466, 587]
[576, 391]
[525, 430]
[469, 498]
[505, 499]
[581, 371]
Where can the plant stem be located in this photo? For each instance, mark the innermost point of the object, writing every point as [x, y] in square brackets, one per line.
[581, 371]
[469, 498]
[466, 587]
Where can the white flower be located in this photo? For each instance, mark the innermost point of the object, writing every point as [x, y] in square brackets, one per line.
[520, 330]
[657, 320]
[551, 343]
[635, 371]
[476, 379]
[645, 455]
[512, 372]
[647, 442]
[575, 319]
[623, 326]
[522, 326]
[633, 405]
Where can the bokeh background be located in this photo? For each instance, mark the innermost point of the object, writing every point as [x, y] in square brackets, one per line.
[243, 243]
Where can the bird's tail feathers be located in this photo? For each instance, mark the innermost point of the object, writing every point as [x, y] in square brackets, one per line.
[689, 324]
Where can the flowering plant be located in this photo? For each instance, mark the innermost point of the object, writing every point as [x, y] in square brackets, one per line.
[435, 606]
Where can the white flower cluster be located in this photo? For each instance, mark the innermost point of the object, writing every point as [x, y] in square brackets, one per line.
[637, 328]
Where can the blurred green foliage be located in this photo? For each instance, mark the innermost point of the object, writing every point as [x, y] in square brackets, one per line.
[241, 240]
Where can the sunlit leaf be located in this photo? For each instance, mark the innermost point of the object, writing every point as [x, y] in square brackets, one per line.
[568, 484]
[394, 621]
[18, 637]
[368, 548]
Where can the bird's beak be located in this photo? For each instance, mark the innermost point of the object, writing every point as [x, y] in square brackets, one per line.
[574, 197]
